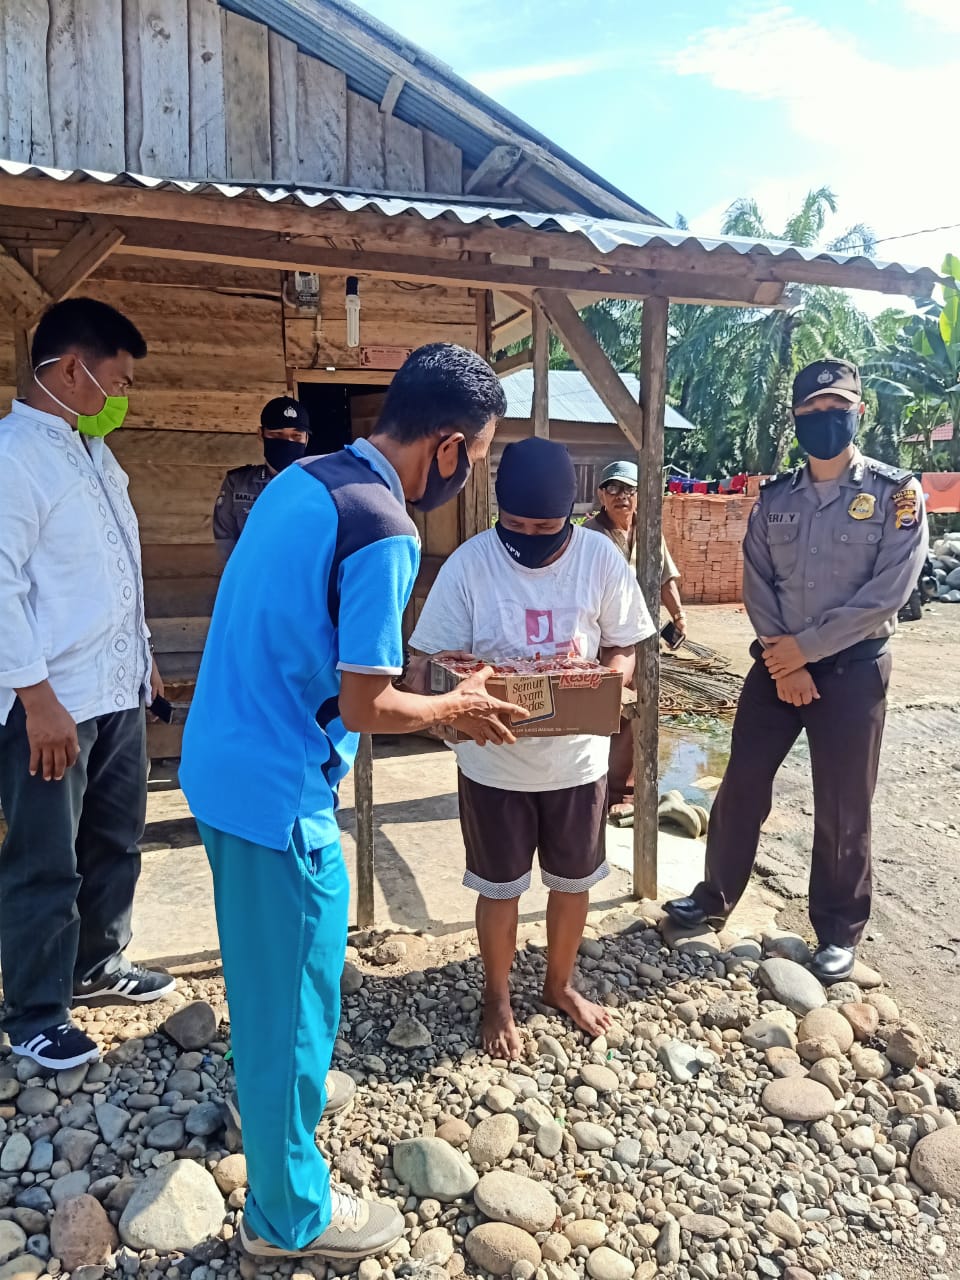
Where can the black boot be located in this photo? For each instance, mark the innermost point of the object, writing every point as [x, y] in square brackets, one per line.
[833, 964]
[688, 913]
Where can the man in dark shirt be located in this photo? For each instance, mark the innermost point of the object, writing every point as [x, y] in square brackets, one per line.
[285, 430]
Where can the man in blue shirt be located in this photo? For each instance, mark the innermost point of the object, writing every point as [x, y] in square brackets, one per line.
[304, 645]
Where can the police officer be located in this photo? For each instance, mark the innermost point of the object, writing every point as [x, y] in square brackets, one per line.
[831, 553]
[285, 430]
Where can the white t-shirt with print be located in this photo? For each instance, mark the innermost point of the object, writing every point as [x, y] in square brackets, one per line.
[483, 602]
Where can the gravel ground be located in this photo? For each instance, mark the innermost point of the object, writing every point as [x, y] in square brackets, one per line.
[733, 1122]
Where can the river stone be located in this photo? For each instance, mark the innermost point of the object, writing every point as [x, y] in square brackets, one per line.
[605, 1264]
[935, 1163]
[668, 1246]
[628, 1152]
[70, 1185]
[12, 1239]
[434, 1246]
[24, 1267]
[174, 1209]
[409, 1033]
[587, 1232]
[36, 1101]
[764, 1034]
[556, 1248]
[205, 1119]
[681, 1060]
[81, 1234]
[166, 1136]
[231, 1173]
[787, 946]
[863, 1018]
[826, 1022]
[592, 1137]
[887, 1008]
[432, 1168]
[493, 1139]
[799, 1101]
[908, 1048]
[784, 1228]
[705, 1225]
[827, 1073]
[550, 1047]
[16, 1153]
[600, 1078]
[112, 1121]
[869, 1064]
[792, 985]
[192, 1027]
[815, 1050]
[549, 1139]
[351, 980]
[456, 1132]
[508, 1197]
[496, 1247]
[864, 977]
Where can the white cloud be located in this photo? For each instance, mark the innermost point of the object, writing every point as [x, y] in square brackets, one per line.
[498, 79]
[875, 146]
[945, 13]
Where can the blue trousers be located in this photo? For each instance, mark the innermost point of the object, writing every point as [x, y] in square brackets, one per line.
[282, 918]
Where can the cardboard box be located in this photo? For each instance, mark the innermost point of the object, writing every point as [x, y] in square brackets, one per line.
[583, 700]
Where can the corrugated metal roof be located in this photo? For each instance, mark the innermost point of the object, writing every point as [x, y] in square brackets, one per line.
[939, 435]
[572, 399]
[312, 27]
[605, 234]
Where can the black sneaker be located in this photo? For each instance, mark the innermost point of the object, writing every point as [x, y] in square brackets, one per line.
[59, 1048]
[129, 985]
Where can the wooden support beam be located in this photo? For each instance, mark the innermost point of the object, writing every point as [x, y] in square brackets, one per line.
[493, 170]
[21, 349]
[646, 726]
[79, 257]
[22, 292]
[391, 94]
[591, 359]
[540, 409]
[519, 360]
[363, 808]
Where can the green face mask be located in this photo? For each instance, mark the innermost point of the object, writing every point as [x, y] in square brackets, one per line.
[100, 424]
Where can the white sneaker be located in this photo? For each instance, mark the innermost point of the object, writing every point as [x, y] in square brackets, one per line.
[358, 1229]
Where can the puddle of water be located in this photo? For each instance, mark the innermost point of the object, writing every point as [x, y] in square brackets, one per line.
[691, 748]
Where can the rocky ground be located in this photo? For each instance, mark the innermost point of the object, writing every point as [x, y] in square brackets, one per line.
[736, 1121]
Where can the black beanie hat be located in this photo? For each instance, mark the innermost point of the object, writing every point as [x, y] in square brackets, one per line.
[536, 480]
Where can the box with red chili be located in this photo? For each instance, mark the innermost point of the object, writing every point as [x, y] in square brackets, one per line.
[562, 695]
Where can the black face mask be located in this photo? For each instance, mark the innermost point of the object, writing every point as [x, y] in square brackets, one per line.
[440, 489]
[827, 432]
[279, 454]
[533, 549]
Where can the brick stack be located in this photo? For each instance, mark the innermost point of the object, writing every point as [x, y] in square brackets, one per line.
[705, 535]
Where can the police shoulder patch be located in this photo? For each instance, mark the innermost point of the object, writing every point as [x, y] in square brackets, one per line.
[906, 506]
[894, 475]
[777, 479]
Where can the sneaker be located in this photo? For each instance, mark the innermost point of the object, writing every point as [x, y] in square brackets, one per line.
[59, 1048]
[341, 1090]
[129, 985]
[358, 1229]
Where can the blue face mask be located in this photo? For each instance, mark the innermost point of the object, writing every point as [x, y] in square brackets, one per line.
[827, 432]
[533, 549]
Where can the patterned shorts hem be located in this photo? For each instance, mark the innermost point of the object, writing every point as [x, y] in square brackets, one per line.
[491, 889]
[560, 884]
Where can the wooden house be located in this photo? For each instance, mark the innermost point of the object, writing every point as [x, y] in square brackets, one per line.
[218, 171]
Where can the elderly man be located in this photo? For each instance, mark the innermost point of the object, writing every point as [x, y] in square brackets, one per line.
[832, 552]
[536, 583]
[617, 518]
[75, 671]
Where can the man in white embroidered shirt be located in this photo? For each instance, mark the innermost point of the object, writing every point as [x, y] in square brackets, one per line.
[75, 671]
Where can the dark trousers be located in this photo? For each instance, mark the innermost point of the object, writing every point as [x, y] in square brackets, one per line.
[844, 730]
[69, 865]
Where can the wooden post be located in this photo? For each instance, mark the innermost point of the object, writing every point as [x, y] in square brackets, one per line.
[541, 366]
[363, 808]
[21, 347]
[653, 386]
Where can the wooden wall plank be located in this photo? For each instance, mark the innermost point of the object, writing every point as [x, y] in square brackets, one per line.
[322, 109]
[403, 155]
[184, 560]
[222, 449]
[180, 597]
[303, 348]
[179, 635]
[133, 123]
[283, 108]
[164, 149]
[4, 105]
[443, 164]
[220, 410]
[246, 80]
[86, 107]
[208, 142]
[365, 162]
[29, 132]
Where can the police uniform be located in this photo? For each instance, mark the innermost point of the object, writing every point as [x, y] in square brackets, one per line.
[240, 489]
[830, 564]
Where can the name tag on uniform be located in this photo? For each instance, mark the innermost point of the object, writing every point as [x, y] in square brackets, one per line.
[781, 517]
[862, 507]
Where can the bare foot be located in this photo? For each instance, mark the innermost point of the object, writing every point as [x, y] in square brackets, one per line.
[589, 1017]
[499, 1033]
[624, 810]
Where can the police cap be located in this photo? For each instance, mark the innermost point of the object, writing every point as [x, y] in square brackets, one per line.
[827, 377]
[284, 413]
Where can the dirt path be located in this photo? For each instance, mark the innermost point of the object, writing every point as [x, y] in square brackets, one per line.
[914, 934]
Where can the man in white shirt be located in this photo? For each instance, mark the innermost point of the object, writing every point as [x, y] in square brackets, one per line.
[75, 672]
[535, 584]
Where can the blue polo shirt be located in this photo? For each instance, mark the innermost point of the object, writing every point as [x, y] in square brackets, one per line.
[317, 585]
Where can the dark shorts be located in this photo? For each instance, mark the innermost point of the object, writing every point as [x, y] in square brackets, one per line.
[503, 829]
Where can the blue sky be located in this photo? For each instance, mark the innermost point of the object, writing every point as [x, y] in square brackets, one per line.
[690, 105]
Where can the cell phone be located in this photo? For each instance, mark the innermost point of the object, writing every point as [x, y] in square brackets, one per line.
[162, 709]
[671, 636]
